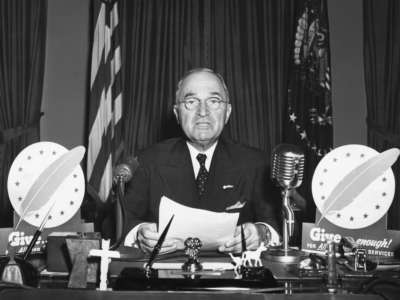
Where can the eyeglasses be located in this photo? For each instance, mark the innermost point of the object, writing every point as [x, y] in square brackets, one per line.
[211, 103]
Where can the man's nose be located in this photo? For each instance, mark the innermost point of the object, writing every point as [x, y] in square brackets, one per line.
[203, 110]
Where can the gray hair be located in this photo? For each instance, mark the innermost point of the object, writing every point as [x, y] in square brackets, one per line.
[199, 70]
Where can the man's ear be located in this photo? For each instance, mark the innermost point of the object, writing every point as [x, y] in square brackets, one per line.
[228, 112]
[176, 113]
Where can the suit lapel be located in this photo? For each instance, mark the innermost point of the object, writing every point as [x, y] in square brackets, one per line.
[222, 173]
[178, 176]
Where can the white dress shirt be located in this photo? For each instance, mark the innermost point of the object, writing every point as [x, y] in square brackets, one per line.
[193, 155]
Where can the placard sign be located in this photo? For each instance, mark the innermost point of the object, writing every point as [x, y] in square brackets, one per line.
[353, 187]
[375, 239]
[46, 187]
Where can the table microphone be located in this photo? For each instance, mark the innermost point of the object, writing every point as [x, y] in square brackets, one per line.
[287, 166]
[287, 172]
[125, 170]
[122, 174]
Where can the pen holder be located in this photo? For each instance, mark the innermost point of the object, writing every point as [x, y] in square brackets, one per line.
[150, 273]
[16, 270]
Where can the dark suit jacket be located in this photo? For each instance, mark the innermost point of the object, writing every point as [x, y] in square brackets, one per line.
[166, 169]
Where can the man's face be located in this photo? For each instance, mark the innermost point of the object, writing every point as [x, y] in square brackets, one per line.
[202, 125]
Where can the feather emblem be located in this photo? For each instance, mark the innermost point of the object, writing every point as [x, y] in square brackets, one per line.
[48, 182]
[357, 180]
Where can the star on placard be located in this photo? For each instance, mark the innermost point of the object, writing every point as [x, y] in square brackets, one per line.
[292, 117]
[303, 134]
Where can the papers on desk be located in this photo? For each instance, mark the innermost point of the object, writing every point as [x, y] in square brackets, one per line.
[212, 228]
[214, 266]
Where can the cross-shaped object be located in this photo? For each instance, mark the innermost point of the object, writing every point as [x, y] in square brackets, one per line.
[105, 258]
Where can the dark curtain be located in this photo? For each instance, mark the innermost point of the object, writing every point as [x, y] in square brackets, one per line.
[246, 41]
[382, 81]
[22, 58]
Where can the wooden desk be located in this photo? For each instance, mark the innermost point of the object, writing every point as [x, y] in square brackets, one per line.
[68, 294]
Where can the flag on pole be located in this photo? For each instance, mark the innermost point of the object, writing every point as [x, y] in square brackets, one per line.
[309, 106]
[105, 105]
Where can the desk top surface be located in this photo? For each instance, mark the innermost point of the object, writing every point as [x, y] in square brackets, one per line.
[289, 280]
[68, 294]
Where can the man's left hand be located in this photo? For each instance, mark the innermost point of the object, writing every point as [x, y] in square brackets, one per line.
[252, 234]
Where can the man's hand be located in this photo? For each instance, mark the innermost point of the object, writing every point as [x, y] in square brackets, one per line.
[147, 237]
[254, 234]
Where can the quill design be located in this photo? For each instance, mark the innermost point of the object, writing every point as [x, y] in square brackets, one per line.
[357, 180]
[48, 182]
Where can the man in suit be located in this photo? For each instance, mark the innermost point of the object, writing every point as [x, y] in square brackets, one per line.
[224, 175]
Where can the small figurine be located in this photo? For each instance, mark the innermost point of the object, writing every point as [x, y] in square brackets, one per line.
[105, 258]
[237, 263]
[253, 258]
[192, 249]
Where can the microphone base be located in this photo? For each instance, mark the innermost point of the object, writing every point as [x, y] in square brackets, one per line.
[288, 256]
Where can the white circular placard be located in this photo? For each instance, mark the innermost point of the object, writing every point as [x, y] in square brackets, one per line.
[27, 167]
[370, 205]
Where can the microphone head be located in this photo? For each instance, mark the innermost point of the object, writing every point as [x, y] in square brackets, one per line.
[126, 169]
[287, 166]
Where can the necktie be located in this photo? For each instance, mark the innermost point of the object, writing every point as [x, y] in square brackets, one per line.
[202, 176]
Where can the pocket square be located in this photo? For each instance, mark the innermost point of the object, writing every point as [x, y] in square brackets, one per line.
[237, 205]
[227, 186]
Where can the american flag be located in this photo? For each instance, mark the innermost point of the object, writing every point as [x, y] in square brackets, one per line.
[105, 106]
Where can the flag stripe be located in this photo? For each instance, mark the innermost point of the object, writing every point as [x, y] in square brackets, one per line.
[106, 180]
[106, 100]
[101, 160]
[115, 64]
[98, 44]
[118, 108]
[100, 125]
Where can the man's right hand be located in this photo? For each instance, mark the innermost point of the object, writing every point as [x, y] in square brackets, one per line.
[147, 237]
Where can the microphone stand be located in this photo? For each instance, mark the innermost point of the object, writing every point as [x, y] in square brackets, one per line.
[288, 220]
[287, 171]
[122, 174]
[119, 212]
[285, 254]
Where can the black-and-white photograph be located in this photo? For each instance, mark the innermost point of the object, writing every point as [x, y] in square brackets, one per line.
[199, 149]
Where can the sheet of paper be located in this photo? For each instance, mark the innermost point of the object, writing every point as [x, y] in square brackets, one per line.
[212, 228]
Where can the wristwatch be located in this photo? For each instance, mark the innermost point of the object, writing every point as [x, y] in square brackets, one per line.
[264, 233]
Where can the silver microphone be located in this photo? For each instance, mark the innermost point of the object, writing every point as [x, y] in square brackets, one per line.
[287, 172]
[125, 170]
[287, 166]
